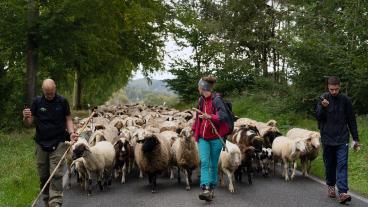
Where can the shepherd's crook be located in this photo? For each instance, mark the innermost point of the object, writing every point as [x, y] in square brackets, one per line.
[62, 158]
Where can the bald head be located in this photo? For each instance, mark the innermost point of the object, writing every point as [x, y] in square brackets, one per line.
[48, 83]
[49, 89]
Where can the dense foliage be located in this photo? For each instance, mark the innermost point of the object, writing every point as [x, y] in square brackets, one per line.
[89, 47]
[288, 47]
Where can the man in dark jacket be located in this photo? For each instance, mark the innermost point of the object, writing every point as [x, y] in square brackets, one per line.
[336, 119]
[51, 115]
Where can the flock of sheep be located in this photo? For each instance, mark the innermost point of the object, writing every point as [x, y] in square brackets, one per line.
[156, 139]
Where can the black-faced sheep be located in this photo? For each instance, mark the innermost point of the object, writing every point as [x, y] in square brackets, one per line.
[81, 171]
[69, 156]
[123, 158]
[264, 159]
[152, 156]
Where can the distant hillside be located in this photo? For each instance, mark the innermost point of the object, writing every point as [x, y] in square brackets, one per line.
[155, 86]
[154, 93]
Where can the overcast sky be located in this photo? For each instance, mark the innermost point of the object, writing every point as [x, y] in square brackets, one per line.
[172, 52]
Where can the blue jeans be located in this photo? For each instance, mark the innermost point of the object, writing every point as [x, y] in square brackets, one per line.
[209, 154]
[336, 166]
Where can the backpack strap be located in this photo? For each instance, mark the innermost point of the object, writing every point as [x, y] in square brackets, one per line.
[200, 103]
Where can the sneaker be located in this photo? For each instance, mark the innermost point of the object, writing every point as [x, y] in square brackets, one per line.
[206, 195]
[331, 192]
[344, 197]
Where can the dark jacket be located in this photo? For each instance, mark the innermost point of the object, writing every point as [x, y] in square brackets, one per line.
[219, 118]
[50, 120]
[336, 120]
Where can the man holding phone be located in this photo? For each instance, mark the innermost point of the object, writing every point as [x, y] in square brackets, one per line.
[51, 115]
[336, 119]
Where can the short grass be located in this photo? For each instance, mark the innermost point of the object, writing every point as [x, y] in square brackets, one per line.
[19, 182]
[18, 176]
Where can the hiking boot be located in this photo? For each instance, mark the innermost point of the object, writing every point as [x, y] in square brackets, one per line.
[212, 190]
[55, 205]
[212, 193]
[331, 192]
[344, 197]
[206, 194]
[46, 203]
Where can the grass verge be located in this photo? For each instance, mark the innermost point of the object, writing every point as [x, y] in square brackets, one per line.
[19, 182]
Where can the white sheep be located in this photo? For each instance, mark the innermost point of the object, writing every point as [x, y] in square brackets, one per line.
[229, 161]
[152, 129]
[185, 153]
[168, 126]
[245, 121]
[312, 141]
[99, 159]
[268, 131]
[169, 136]
[97, 136]
[288, 150]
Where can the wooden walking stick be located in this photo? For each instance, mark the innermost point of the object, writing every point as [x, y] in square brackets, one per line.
[62, 158]
[214, 129]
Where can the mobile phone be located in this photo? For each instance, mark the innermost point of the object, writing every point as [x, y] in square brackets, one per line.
[26, 106]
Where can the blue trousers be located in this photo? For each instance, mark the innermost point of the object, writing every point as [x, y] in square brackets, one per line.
[209, 154]
[336, 166]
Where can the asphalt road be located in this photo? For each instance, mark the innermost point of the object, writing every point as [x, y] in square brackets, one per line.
[264, 192]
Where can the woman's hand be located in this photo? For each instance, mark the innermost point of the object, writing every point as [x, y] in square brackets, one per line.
[205, 116]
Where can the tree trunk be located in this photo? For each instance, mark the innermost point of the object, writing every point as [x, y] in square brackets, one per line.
[32, 49]
[77, 91]
[264, 61]
[273, 46]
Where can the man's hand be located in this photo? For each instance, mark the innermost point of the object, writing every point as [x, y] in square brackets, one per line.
[356, 146]
[325, 103]
[74, 137]
[27, 113]
[205, 116]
